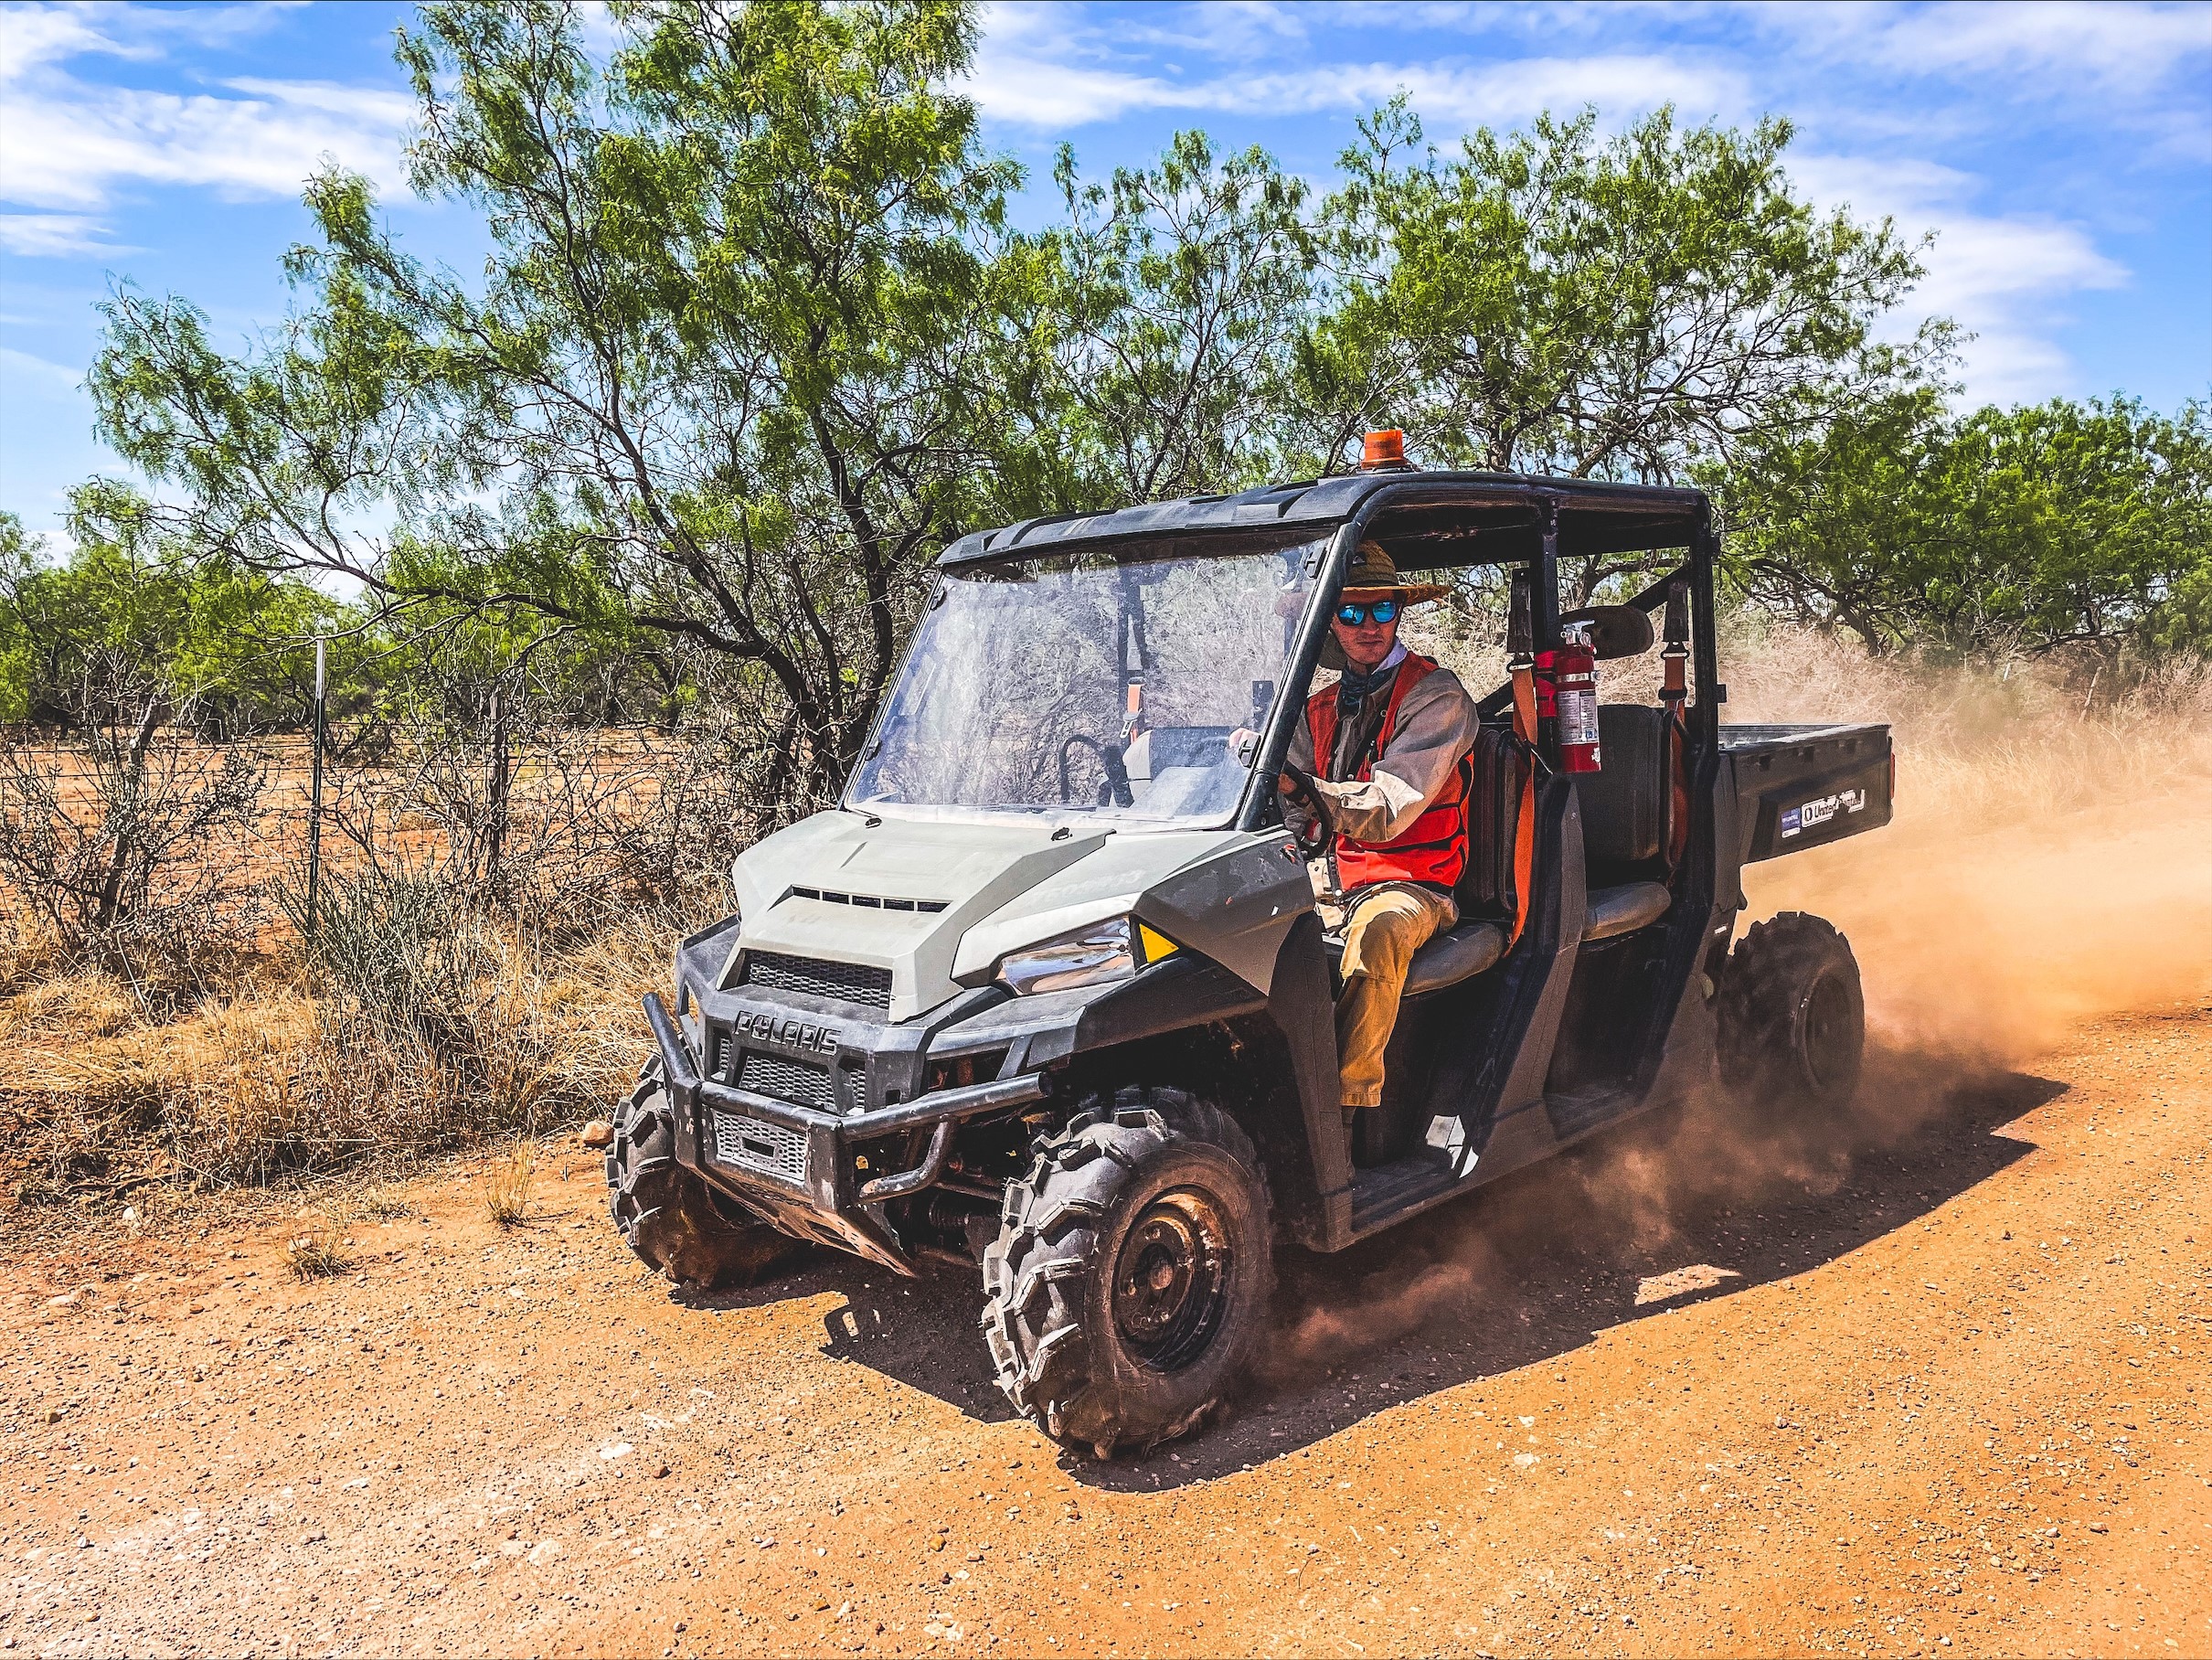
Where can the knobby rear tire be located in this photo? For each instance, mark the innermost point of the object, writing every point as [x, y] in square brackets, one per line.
[1793, 1016]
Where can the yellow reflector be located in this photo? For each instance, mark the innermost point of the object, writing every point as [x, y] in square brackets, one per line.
[1156, 944]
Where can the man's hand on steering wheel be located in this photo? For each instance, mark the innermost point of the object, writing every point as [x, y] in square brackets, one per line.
[1321, 826]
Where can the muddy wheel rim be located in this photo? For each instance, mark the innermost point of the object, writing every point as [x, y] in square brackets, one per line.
[1171, 1279]
[1830, 1039]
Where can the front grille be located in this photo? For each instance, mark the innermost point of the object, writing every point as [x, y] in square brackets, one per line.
[792, 1080]
[853, 982]
[770, 1149]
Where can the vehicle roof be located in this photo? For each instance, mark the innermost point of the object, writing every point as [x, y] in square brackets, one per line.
[1594, 517]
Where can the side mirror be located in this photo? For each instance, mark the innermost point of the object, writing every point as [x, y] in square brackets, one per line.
[1615, 631]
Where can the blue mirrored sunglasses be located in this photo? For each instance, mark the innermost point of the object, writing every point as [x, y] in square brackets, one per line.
[1382, 610]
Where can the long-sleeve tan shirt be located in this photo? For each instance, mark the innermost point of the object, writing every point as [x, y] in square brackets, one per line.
[1437, 724]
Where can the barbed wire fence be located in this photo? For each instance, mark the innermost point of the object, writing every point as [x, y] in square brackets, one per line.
[386, 927]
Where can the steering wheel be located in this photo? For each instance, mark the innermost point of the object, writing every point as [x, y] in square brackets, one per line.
[1321, 828]
[1115, 790]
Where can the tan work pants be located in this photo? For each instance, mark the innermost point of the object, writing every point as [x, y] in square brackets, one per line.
[1383, 927]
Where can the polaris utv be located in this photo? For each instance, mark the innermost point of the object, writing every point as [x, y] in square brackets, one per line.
[1048, 994]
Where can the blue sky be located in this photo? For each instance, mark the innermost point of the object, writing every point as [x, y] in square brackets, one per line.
[2060, 153]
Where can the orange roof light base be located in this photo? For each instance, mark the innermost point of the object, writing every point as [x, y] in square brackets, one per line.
[1385, 452]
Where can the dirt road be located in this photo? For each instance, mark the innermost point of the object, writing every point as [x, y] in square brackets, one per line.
[1935, 1388]
[1929, 1380]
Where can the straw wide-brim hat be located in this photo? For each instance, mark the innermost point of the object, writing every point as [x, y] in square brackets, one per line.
[1374, 577]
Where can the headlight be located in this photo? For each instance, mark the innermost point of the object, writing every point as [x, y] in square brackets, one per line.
[1097, 952]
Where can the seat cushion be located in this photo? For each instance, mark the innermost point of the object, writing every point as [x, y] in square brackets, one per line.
[1458, 953]
[1622, 909]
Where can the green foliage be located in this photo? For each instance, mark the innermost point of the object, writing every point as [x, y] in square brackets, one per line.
[2058, 523]
[1177, 293]
[755, 341]
[1621, 308]
[1553, 302]
[130, 618]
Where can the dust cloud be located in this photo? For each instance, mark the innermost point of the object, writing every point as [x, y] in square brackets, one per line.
[1993, 917]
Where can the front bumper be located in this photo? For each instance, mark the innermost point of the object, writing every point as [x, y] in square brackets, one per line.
[815, 1111]
[796, 1163]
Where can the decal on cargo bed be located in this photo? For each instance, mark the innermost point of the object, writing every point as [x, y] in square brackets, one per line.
[1812, 815]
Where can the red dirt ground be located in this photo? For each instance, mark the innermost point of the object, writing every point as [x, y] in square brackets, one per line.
[1930, 1380]
[1937, 1391]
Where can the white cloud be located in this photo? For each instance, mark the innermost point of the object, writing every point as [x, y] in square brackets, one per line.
[21, 367]
[36, 35]
[1619, 85]
[1036, 92]
[1224, 28]
[2005, 279]
[1049, 68]
[59, 235]
[2137, 69]
[2065, 49]
[33, 35]
[71, 144]
[73, 149]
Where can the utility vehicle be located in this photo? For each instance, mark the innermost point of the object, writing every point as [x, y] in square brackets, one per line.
[1047, 993]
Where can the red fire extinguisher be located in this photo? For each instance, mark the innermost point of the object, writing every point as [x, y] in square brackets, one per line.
[1578, 701]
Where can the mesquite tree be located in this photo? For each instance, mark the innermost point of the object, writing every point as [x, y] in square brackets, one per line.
[2053, 525]
[717, 388]
[1554, 301]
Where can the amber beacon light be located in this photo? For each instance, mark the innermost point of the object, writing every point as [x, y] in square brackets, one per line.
[1384, 452]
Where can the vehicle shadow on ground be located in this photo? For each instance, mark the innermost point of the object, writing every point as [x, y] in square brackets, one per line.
[922, 1332]
[1674, 1209]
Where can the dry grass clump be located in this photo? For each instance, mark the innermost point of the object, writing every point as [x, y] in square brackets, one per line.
[507, 1185]
[317, 1247]
[386, 1207]
[238, 1095]
[301, 1079]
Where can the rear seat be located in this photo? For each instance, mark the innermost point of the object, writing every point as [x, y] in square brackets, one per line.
[1626, 809]
[1624, 908]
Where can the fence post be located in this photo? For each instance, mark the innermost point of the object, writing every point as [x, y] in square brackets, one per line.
[497, 830]
[314, 788]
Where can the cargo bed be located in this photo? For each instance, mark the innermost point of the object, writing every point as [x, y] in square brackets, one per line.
[1803, 786]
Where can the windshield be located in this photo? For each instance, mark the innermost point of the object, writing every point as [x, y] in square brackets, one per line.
[1101, 682]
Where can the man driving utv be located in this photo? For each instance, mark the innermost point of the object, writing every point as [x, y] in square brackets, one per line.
[1379, 764]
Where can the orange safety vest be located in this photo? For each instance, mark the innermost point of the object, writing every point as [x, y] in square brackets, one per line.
[1433, 848]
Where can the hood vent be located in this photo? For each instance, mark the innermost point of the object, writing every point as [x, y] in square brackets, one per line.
[869, 900]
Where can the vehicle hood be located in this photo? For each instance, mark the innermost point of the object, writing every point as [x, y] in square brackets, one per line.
[938, 903]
